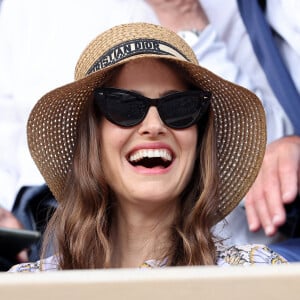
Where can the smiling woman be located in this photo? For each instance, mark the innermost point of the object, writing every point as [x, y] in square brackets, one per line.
[145, 152]
[144, 179]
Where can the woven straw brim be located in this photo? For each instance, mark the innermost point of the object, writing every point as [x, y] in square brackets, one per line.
[238, 115]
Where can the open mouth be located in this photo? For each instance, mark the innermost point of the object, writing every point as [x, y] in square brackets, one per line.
[151, 158]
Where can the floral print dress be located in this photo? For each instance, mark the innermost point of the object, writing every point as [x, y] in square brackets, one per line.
[236, 255]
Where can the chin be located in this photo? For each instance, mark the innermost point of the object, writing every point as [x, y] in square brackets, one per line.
[149, 196]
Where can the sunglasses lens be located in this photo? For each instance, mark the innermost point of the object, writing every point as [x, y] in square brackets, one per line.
[123, 109]
[182, 111]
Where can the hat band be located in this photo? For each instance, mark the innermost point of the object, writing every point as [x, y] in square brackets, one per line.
[134, 47]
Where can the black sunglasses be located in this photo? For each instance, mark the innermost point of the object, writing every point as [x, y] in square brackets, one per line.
[178, 110]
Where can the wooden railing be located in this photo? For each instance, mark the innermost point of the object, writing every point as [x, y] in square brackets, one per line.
[187, 283]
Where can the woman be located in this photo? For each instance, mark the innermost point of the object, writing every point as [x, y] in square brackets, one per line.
[145, 152]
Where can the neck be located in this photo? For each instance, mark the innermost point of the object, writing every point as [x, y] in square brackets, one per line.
[140, 235]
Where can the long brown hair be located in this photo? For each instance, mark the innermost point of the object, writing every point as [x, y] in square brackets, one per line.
[80, 229]
[193, 240]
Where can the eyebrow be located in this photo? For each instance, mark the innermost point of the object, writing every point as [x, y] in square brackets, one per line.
[166, 93]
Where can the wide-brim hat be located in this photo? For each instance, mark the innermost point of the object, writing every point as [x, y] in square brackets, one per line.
[238, 114]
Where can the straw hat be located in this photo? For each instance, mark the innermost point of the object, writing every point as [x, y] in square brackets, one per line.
[238, 114]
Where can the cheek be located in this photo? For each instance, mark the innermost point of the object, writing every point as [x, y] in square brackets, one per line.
[110, 133]
[188, 139]
[112, 139]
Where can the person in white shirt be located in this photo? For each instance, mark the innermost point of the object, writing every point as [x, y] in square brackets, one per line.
[264, 203]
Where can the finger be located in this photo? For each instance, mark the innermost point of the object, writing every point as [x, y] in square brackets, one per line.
[272, 194]
[22, 256]
[289, 172]
[298, 179]
[7, 219]
[257, 206]
[265, 218]
[250, 199]
[252, 218]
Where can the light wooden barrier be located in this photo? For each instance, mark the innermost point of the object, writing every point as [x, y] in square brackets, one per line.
[188, 283]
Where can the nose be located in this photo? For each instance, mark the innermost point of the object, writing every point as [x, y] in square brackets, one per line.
[152, 125]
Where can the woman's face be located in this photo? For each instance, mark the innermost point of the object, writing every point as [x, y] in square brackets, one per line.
[127, 153]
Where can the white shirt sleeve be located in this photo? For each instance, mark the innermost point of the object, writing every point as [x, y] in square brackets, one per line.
[9, 123]
[212, 54]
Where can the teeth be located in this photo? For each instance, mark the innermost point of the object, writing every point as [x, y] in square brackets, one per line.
[150, 153]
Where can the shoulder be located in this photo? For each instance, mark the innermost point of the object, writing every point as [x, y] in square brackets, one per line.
[44, 265]
[248, 255]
